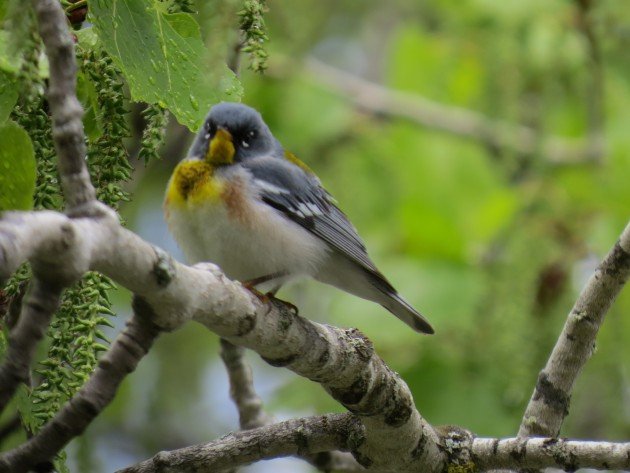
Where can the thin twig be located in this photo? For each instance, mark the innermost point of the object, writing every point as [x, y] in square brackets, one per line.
[120, 360]
[549, 403]
[293, 437]
[40, 302]
[384, 102]
[252, 414]
[594, 93]
[65, 108]
[248, 403]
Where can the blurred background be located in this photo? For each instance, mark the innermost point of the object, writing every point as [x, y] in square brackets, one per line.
[488, 172]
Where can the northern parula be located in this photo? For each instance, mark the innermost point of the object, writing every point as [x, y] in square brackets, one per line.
[241, 201]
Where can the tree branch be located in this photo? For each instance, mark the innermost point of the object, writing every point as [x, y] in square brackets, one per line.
[343, 361]
[534, 453]
[65, 107]
[252, 415]
[594, 93]
[293, 437]
[549, 403]
[497, 134]
[313, 434]
[385, 430]
[120, 360]
[38, 306]
[249, 405]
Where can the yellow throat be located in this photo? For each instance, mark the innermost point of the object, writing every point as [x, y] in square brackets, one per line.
[193, 181]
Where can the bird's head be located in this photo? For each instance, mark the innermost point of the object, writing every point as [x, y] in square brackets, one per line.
[231, 133]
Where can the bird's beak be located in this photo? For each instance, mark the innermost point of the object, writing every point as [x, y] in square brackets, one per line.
[221, 149]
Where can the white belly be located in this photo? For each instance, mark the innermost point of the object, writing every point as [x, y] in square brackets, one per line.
[268, 243]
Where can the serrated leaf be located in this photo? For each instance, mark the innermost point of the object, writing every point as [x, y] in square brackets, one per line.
[17, 168]
[163, 58]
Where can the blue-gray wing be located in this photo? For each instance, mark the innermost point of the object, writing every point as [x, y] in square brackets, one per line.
[300, 197]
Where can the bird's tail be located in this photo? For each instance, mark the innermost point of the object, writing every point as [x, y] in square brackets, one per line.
[370, 284]
[403, 310]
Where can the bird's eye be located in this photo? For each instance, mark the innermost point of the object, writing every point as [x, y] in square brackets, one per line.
[252, 134]
[245, 144]
[210, 129]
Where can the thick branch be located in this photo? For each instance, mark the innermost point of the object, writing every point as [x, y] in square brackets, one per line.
[549, 403]
[293, 437]
[65, 107]
[120, 360]
[466, 123]
[38, 306]
[343, 361]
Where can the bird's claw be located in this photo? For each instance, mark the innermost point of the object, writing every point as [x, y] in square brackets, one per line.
[270, 297]
[292, 307]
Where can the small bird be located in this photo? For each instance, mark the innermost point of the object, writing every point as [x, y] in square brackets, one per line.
[241, 201]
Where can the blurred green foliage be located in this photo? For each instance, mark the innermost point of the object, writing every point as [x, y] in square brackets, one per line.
[17, 168]
[492, 246]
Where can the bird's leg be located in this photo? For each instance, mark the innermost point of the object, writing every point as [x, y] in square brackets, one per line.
[274, 290]
[252, 283]
[293, 308]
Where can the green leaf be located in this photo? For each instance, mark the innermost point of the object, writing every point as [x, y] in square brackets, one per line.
[8, 95]
[25, 407]
[163, 58]
[17, 168]
[7, 59]
[88, 97]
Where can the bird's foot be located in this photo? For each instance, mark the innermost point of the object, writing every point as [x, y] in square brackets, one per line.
[293, 308]
[251, 284]
[270, 297]
[259, 295]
